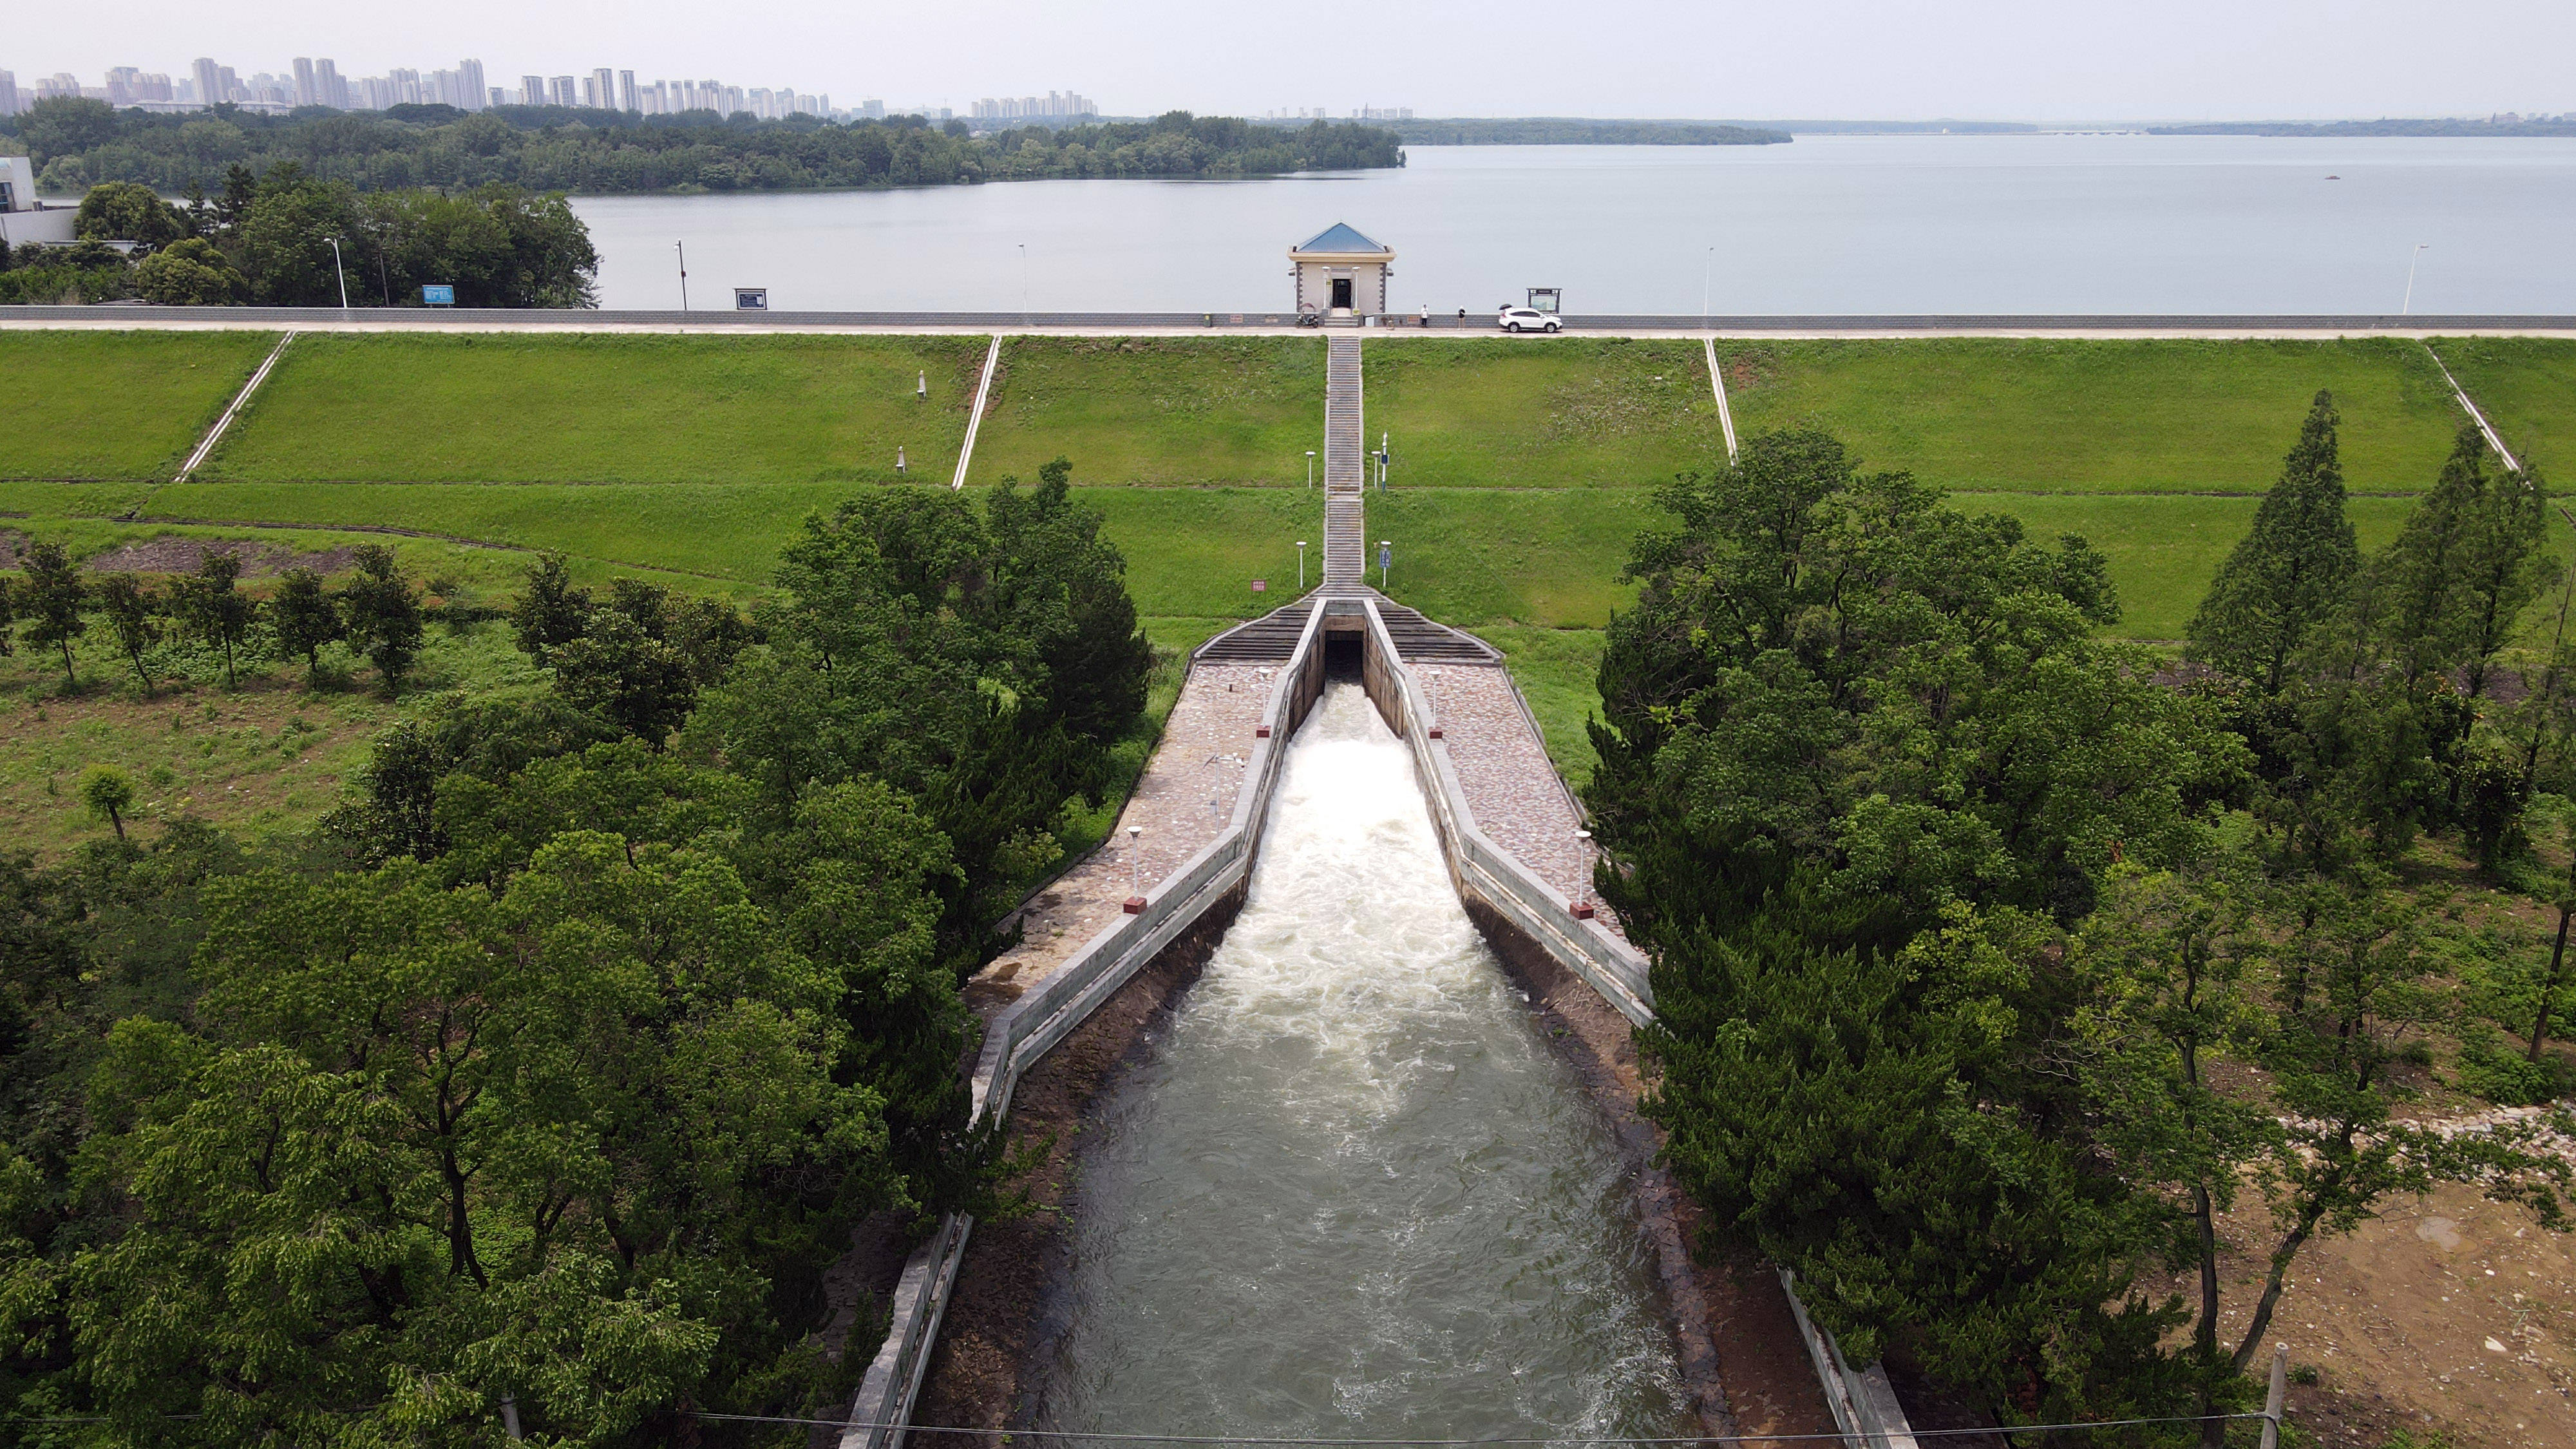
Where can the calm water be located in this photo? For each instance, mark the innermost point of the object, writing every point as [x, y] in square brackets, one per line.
[1354, 1195]
[1825, 224]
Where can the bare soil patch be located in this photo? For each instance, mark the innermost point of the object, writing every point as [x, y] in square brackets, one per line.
[170, 554]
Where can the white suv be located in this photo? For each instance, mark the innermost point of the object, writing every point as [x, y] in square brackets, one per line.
[1525, 319]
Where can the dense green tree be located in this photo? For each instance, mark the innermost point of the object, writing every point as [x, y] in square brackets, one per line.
[305, 618]
[638, 683]
[51, 600]
[133, 610]
[124, 211]
[2292, 570]
[192, 272]
[551, 611]
[212, 607]
[381, 610]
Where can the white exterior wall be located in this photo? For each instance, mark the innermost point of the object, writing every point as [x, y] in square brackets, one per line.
[1315, 283]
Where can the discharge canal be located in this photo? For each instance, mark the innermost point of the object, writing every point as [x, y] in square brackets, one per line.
[1353, 1193]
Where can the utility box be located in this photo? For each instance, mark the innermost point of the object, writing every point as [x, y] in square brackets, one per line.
[751, 299]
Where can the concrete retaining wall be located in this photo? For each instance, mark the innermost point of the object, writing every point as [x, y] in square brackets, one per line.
[1864, 1406]
[1032, 1026]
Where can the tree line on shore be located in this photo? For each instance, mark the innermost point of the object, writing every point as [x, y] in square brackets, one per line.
[79, 143]
[2010, 979]
[284, 238]
[534, 1090]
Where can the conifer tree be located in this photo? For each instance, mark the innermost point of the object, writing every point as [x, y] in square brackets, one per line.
[2290, 571]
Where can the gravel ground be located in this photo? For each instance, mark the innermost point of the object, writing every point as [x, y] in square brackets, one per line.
[1206, 743]
[1511, 786]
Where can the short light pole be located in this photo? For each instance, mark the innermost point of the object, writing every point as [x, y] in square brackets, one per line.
[1310, 472]
[921, 386]
[1385, 561]
[1301, 565]
[898, 458]
[1583, 907]
[342, 272]
[2408, 310]
[683, 249]
[1026, 316]
[1706, 277]
[1135, 873]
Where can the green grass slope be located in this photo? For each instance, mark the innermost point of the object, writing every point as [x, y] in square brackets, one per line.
[605, 409]
[2102, 416]
[2527, 388]
[115, 405]
[1540, 412]
[1155, 409]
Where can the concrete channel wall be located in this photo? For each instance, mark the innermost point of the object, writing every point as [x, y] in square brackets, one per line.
[1032, 1026]
[1864, 1406]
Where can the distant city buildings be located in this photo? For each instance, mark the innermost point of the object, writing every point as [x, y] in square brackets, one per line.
[317, 81]
[1319, 113]
[1053, 106]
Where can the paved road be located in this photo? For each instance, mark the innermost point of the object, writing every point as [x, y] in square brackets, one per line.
[413, 319]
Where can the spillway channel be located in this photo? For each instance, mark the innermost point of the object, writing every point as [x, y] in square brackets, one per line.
[1351, 1192]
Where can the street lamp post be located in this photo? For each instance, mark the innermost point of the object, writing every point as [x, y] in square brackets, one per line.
[1135, 873]
[1385, 560]
[1301, 565]
[1583, 908]
[1310, 467]
[683, 249]
[340, 271]
[2411, 260]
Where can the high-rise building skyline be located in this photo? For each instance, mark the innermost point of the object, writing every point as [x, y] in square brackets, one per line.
[317, 81]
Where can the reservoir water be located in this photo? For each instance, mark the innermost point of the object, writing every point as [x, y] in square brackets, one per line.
[1353, 1194]
[1825, 224]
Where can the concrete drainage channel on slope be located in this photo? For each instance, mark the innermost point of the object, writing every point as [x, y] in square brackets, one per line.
[1522, 915]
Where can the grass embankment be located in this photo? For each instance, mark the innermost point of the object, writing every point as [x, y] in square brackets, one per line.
[1541, 412]
[115, 405]
[1164, 410]
[1978, 414]
[605, 409]
[2527, 388]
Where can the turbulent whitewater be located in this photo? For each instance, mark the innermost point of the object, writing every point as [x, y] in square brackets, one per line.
[1352, 1193]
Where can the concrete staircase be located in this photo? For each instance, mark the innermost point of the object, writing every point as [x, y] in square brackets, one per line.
[1345, 470]
[1271, 638]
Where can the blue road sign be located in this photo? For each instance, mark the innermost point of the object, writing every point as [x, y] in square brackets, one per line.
[1386, 555]
[437, 294]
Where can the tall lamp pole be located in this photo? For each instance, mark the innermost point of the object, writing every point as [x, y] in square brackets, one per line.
[1301, 565]
[2417, 256]
[1310, 467]
[342, 272]
[683, 249]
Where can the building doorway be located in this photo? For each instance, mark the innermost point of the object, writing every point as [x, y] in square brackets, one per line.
[1341, 294]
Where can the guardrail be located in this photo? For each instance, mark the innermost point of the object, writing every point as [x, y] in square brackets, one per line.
[1395, 323]
[1043, 1017]
[1863, 1402]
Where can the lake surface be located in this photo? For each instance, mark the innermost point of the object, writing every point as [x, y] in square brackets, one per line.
[1353, 1194]
[2030, 223]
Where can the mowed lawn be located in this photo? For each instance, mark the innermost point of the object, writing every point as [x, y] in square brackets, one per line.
[115, 405]
[1155, 409]
[605, 409]
[2102, 416]
[1540, 412]
[2527, 388]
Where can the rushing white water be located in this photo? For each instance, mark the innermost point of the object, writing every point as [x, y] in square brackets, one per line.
[1353, 1194]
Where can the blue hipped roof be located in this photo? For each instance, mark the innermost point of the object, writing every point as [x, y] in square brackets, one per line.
[1339, 237]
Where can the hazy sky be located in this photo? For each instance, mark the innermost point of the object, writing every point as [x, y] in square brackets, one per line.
[1892, 59]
